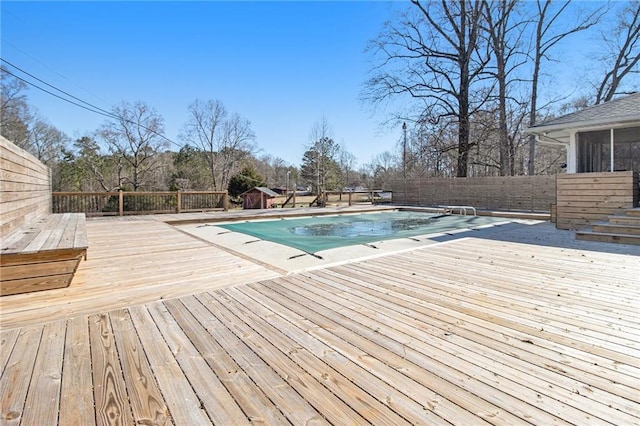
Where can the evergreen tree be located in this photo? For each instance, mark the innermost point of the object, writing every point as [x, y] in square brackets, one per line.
[320, 168]
[245, 180]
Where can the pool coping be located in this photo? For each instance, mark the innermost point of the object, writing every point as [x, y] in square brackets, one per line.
[243, 215]
[288, 260]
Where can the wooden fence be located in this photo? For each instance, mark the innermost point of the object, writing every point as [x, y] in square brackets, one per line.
[25, 187]
[513, 193]
[130, 203]
[585, 198]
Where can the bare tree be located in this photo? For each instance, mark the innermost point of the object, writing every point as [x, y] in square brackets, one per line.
[134, 138]
[280, 170]
[434, 55]
[623, 52]
[553, 24]
[45, 141]
[225, 141]
[204, 130]
[504, 32]
[273, 169]
[237, 144]
[347, 162]
[14, 110]
[383, 169]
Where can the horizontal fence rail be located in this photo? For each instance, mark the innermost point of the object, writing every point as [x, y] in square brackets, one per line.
[374, 196]
[132, 203]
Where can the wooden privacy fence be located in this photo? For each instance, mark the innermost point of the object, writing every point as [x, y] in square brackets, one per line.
[517, 193]
[130, 203]
[585, 198]
[25, 187]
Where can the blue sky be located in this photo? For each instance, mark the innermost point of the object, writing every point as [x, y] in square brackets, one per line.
[282, 65]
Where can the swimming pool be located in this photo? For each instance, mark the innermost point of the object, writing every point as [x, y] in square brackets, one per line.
[314, 234]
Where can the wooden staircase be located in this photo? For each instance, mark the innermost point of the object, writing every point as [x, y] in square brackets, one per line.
[624, 229]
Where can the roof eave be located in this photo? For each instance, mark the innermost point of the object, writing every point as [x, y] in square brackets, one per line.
[585, 125]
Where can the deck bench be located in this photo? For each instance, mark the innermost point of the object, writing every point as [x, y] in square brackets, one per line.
[43, 254]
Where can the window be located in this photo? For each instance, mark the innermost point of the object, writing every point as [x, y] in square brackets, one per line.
[594, 150]
[626, 149]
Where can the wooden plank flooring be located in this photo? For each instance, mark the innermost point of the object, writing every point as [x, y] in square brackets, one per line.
[471, 331]
[132, 262]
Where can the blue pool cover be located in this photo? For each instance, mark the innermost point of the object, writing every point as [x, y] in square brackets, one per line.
[314, 234]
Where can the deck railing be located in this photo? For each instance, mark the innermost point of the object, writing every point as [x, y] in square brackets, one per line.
[132, 203]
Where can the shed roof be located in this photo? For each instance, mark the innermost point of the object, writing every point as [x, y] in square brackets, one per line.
[618, 111]
[262, 189]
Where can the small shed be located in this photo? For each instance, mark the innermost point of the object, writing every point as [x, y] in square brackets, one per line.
[258, 198]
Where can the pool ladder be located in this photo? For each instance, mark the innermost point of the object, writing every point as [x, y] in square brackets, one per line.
[462, 210]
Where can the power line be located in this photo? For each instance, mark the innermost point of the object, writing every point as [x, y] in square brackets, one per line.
[55, 88]
[56, 95]
[52, 70]
[90, 107]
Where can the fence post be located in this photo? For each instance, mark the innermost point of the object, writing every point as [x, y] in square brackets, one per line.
[178, 201]
[120, 202]
[350, 202]
[225, 201]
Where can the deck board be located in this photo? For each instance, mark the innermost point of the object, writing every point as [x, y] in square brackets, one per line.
[471, 331]
[145, 397]
[45, 386]
[16, 377]
[76, 405]
[109, 388]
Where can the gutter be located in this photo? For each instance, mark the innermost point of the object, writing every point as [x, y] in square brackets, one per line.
[544, 139]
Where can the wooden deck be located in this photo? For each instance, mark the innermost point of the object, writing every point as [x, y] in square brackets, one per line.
[471, 331]
[132, 262]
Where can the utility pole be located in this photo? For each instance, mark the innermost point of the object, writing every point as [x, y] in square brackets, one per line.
[404, 151]
[404, 160]
[286, 189]
[318, 170]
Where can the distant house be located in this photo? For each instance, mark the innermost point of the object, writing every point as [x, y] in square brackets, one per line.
[601, 138]
[258, 198]
[279, 191]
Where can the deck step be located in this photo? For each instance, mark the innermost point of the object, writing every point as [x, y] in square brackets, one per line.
[625, 220]
[607, 237]
[633, 212]
[616, 228]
